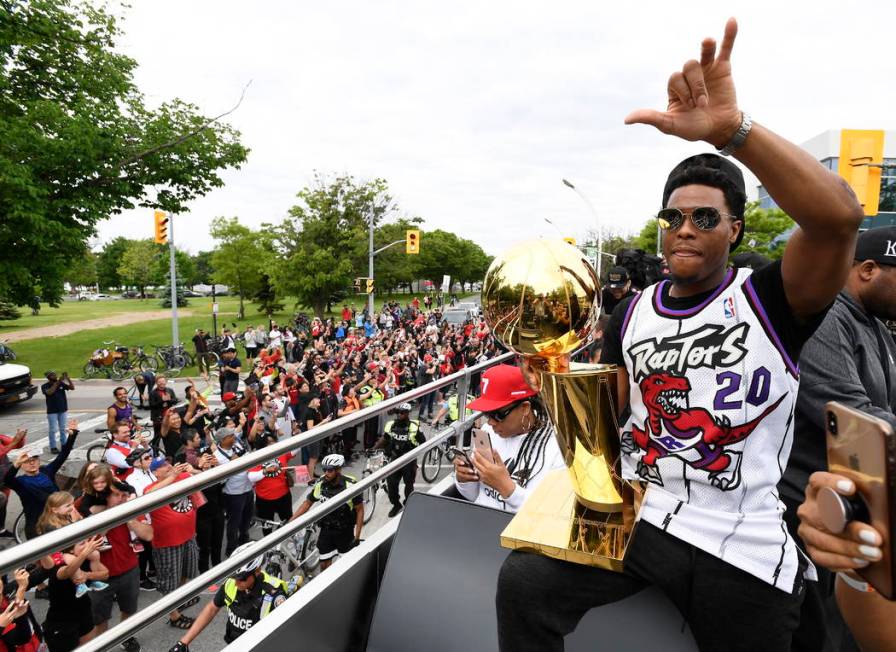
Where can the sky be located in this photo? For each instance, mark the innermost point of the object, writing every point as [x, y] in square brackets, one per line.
[475, 111]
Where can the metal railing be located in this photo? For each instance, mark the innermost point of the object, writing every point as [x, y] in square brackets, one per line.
[17, 556]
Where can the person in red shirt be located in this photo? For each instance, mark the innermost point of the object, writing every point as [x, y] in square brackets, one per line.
[346, 314]
[7, 444]
[124, 575]
[174, 549]
[272, 484]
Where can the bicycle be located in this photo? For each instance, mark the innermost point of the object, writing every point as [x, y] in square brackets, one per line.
[375, 461]
[294, 555]
[97, 452]
[123, 366]
[101, 360]
[432, 461]
[170, 359]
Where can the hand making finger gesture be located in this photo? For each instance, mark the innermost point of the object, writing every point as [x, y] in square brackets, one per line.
[702, 99]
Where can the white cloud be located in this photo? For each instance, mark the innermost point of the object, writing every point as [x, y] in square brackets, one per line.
[474, 112]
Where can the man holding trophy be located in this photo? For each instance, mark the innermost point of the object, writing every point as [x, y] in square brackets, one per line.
[706, 375]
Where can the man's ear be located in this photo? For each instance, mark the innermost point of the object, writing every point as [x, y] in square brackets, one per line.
[867, 270]
[737, 227]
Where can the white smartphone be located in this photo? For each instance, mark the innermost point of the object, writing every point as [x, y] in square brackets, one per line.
[482, 443]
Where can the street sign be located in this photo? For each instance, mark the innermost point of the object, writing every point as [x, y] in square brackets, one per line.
[215, 308]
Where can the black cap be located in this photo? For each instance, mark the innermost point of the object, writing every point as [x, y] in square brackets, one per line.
[878, 245]
[716, 171]
[617, 277]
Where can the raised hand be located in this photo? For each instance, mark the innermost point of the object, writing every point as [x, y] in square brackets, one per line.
[702, 100]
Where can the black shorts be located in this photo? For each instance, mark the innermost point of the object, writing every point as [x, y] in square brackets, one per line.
[332, 541]
[123, 589]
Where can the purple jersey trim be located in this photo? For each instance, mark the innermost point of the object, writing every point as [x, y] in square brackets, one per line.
[661, 309]
[628, 316]
[766, 322]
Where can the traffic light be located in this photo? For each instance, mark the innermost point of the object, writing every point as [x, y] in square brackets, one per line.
[412, 241]
[861, 158]
[357, 285]
[161, 227]
[571, 241]
[369, 286]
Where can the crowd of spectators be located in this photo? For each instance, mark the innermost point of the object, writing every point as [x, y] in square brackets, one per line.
[275, 382]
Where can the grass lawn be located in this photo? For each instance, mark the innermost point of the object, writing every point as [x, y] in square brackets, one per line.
[71, 352]
[70, 311]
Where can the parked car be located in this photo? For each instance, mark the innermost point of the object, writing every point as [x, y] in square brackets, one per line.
[15, 379]
[190, 293]
[458, 316]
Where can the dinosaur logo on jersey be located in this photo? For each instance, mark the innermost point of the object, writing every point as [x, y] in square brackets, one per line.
[691, 434]
[709, 346]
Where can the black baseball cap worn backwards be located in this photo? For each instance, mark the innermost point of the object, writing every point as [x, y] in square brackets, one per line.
[715, 171]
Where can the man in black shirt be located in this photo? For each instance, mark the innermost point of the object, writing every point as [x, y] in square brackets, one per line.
[57, 406]
[850, 359]
[161, 399]
[230, 371]
[618, 287]
[709, 521]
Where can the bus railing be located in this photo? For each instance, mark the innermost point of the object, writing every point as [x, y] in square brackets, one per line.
[61, 539]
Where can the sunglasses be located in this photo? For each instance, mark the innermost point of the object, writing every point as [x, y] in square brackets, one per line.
[502, 413]
[705, 218]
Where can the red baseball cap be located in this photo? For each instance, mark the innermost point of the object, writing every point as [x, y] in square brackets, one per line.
[228, 396]
[501, 385]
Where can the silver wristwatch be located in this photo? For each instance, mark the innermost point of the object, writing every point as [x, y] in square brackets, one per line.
[739, 136]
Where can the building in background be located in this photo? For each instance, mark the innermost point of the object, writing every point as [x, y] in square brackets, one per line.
[867, 160]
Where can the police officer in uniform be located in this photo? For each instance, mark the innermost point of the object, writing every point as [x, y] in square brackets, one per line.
[248, 596]
[340, 530]
[400, 436]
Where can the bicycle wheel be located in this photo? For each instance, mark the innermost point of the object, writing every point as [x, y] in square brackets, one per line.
[432, 464]
[91, 370]
[120, 369]
[19, 528]
[369, 496]
[310, 553]
[208, 360]
[148, 363]
[96, 452]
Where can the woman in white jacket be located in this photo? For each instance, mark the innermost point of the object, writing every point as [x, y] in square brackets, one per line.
[524, 448]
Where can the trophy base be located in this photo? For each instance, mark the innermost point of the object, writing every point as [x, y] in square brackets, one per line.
[553, 523]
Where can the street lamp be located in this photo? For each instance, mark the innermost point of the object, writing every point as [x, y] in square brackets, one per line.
[600, 234]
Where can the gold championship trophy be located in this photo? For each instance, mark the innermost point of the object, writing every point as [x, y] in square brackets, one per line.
[541, 300]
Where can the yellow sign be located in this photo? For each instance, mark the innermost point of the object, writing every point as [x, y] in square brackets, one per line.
[369, 286]
[861, 157]
[161, 227]
[412, 241]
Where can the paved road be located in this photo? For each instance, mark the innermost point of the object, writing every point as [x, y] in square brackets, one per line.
[87, 404]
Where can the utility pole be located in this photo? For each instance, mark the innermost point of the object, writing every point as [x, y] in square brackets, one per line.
[175, 338]
[370, 266]
[600, 231]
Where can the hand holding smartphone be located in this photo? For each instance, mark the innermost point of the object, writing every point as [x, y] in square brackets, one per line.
[862, 448]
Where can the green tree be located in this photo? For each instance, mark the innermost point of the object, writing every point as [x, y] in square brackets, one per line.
[393, 268]
[647, 238]
[179, 292]
[8, 311]
[237, 260]
[108, 261]
[439, 255]
[82, 271]
[139, 265]
[80, 142]
[762, 226]
[202, 269]
[266, 298]
[473, 262]
[318, 249]
[183, 263]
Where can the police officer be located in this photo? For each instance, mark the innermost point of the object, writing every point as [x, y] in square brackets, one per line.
[340, 530]
[401, 435]
[249, 596]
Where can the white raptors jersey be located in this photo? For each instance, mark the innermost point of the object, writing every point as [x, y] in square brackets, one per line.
[712, 399]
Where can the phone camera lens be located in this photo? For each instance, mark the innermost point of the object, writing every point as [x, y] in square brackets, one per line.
[832, 423]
